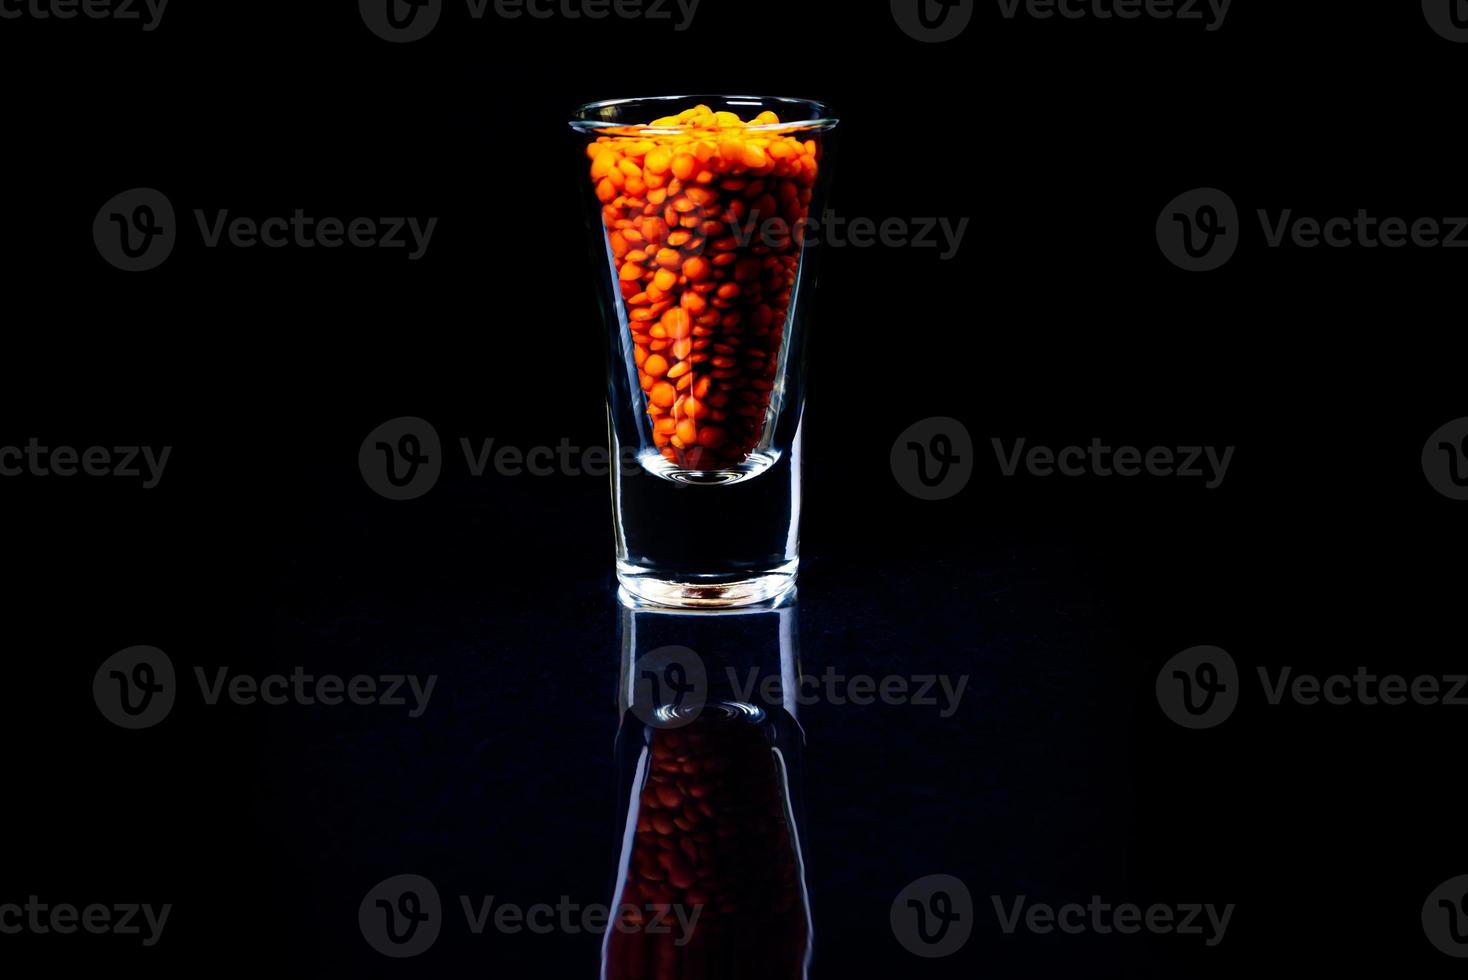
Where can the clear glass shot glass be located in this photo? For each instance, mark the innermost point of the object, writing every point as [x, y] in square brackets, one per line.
[699, 209]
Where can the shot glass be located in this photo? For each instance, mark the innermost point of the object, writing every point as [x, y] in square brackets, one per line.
[698, 209]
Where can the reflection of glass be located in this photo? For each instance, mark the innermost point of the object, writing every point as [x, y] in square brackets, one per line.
[710, 768]
[698, 210]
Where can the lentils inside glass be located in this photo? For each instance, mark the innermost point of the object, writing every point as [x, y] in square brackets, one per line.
[706, 226]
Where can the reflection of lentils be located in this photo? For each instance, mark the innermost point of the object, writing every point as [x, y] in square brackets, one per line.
[706, 226]
[712, 833]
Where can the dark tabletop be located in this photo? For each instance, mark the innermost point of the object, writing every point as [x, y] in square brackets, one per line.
[1059, 776]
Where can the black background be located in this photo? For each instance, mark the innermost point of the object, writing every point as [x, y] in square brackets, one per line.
[1058, 321]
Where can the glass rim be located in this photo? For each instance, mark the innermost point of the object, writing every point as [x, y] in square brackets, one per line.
[818, 112]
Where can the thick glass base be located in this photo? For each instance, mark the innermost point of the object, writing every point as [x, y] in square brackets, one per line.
[754, 464]
[724, 591]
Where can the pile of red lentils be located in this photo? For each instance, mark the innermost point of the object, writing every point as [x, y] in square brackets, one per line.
[706, 225]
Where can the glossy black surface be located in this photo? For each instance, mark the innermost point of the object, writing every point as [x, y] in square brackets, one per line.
[1059, 600]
